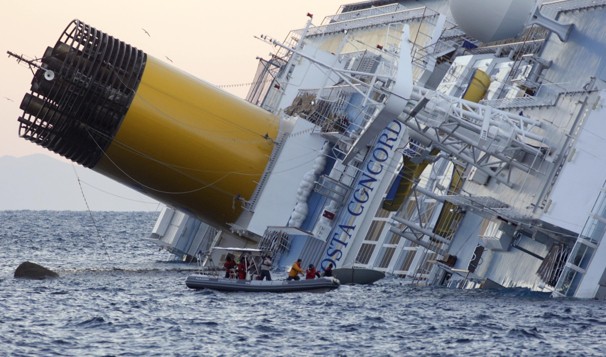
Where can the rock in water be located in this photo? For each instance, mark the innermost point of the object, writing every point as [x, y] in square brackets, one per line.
[29, 270]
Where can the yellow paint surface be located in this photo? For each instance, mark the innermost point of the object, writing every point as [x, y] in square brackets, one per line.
[476, 90]
[190, 145]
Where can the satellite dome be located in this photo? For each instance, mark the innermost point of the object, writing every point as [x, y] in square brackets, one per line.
[492, 20]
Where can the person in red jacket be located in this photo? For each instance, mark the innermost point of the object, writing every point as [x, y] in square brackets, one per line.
[311, 272]
[242, 268]
[229, 266]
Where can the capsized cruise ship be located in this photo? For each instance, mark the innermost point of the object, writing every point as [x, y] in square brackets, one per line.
[452, 143]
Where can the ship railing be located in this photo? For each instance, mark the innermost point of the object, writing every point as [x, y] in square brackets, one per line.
[328, 109]
[425, 52]
[374, 20]
[274, 242]
[452, 32]
[350, 15]
[519, 102]
[547, 95]
[582, 254]
[420, 55]
[264, 80]
[567, 88]
[552, 8]
[425, 211]
[530, 46]
[332, 111]
[332, 189]
[291, 41]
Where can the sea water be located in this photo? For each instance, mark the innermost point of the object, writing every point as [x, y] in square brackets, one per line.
[119, 295]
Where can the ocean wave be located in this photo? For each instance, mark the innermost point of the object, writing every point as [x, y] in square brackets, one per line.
[137, 304]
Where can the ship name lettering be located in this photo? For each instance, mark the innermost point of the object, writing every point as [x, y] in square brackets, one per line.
[361, 193]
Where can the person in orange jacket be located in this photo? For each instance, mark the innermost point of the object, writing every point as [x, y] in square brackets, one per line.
[295, 270]
[311, 272]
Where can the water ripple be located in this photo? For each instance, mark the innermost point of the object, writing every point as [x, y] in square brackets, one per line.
[132, 301]
[93, 322]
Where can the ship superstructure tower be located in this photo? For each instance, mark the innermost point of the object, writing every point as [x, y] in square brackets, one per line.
[479, 194]
[393, 136]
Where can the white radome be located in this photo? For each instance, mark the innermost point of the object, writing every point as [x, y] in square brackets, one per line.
[492, 20]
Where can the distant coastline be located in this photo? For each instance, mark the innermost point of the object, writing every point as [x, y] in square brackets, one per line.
[39, 182]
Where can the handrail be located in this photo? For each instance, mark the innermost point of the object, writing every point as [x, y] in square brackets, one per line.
[404, 15]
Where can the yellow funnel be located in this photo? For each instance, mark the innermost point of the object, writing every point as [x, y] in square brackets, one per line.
[128, 116]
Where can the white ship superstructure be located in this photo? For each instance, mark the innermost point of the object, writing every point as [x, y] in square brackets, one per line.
[456, 143]
[408, 146]
[476, 164]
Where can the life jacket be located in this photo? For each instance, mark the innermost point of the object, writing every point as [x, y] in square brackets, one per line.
[295, 270]
[311, 273]
[230, 264]
[241, 271]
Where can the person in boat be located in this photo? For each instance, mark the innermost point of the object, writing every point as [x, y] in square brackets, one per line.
[265, 267]
[229, 266]
[295, 270]
[311, 272]
[242, 268]
[328, 270]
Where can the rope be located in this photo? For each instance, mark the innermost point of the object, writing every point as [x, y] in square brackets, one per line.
[210, 185]
[242, 84]
[118, 196]
[91, 216]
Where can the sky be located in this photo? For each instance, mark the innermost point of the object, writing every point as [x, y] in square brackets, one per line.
[212, 40]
